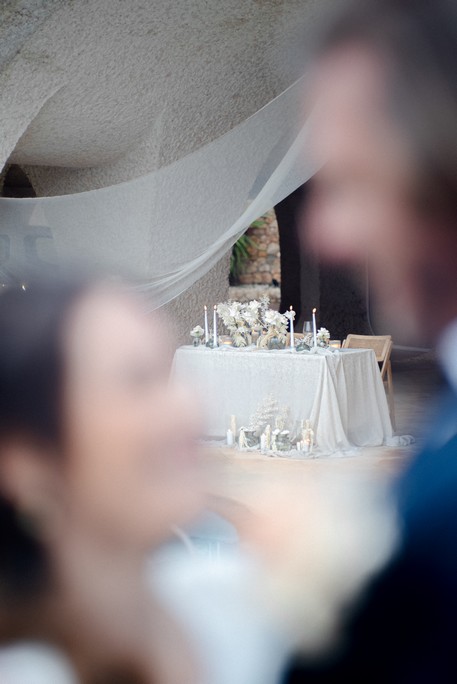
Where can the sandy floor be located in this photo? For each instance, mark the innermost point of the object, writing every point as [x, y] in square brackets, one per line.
[240, 475]
[319, 526]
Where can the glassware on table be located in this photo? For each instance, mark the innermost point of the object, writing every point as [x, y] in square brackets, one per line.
[307, 327]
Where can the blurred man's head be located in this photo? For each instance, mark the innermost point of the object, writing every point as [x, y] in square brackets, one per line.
[385, 83]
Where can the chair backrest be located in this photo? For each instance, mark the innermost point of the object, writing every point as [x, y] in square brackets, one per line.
[381, 345]
[297, 336]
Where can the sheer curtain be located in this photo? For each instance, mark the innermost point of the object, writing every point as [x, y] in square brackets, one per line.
[169, 227]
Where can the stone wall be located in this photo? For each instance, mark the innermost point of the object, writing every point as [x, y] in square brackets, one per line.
[263, 265]
[245, 293]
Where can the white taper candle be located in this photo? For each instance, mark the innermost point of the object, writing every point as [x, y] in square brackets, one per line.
[314, 328]
[292, 340]
[206, 325]
[215, 341]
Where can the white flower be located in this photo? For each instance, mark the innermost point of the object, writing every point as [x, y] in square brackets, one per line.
[234, 309]
[223, 311]
[269, 316]
[250, 316]
[290, 315]
[197, 331]
[323, 334]
[254, 305]
[274, 318]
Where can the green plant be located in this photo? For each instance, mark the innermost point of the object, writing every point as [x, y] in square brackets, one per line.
[240, 254]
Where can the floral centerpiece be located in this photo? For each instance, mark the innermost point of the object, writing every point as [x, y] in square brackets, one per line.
[239, 319]
[276, 325]
[307, 342]
[323, 337]
[243, 320]
[196, 334]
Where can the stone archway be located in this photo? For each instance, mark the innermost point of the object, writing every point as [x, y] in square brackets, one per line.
[337, 292]
[16, 183]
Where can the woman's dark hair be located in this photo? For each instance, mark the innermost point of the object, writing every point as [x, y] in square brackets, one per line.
[417, 40]
[32, 368]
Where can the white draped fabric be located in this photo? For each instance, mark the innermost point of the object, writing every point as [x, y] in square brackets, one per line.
[342, 394]
[34, 663]
[168, 228]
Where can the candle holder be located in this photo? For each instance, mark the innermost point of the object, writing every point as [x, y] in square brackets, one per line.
[225, 341]
[275, 341]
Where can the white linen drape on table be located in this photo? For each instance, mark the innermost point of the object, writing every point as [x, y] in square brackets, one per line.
[342, 394]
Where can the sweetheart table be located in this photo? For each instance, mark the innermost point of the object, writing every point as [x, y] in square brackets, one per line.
[342, 394]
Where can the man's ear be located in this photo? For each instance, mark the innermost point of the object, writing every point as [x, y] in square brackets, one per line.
[30, 479]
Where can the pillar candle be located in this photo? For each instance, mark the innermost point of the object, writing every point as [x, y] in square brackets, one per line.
[268, 437]
[229, 438]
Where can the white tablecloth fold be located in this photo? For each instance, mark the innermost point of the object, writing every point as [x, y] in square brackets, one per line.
[342, 394]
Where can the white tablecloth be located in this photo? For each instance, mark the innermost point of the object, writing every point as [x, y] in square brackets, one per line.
[342, 394]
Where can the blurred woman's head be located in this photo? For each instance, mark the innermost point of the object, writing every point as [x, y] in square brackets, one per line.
[93, 436]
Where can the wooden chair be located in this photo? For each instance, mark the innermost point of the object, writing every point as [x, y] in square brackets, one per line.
[297, 336]
[382, 347]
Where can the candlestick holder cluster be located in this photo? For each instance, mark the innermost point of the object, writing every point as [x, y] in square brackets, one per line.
[255, 324]
[267, 432]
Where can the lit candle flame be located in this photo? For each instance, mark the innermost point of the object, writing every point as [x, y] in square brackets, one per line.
[314, 311]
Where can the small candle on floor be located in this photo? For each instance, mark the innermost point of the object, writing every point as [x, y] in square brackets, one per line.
[229, 438]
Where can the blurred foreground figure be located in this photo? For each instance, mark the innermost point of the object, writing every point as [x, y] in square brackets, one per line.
[97, 462]
[385, 80]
